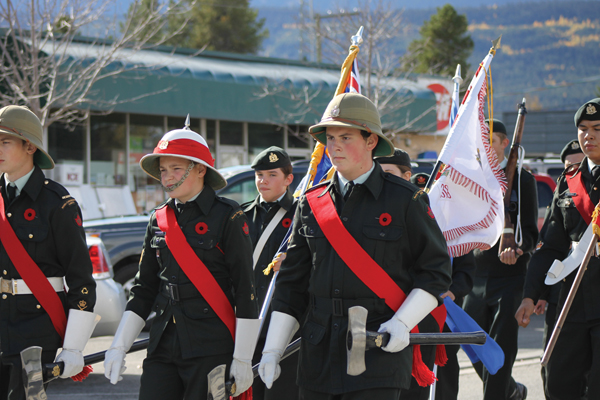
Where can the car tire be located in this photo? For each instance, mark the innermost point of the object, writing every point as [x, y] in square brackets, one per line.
[126, 277]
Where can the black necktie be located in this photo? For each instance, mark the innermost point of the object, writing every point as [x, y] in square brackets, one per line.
[348, 188]
[596, 172]
[11, 191]
[268, 206]
[179, 207]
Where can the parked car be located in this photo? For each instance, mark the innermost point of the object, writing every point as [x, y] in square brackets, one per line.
[110, 298]
[545, 189]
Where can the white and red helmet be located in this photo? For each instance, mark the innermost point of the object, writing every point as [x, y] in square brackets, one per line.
[187, 144]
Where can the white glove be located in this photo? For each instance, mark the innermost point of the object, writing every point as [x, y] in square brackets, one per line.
[246, 336]
[281, 331]
[417, 305]
[80, 326]
[114, 361]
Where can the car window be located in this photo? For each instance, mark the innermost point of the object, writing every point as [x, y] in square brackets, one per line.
[544, 194]
[555, 172]
[241, 191]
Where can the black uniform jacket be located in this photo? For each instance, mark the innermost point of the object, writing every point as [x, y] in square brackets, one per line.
[47, 221]
[488, 263]
[258, 220]
[314, 279]
[224, 247]
[564, 225]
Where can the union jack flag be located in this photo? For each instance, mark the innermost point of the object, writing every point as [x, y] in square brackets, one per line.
[353, 83]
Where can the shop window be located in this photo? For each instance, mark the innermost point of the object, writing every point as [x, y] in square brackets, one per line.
[108, 150]
[231, 133]
[261, 136]
[66, 146]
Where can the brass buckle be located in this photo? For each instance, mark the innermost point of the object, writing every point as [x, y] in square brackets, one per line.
[8, 286]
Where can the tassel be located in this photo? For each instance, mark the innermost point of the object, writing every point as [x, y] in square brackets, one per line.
[83, 374]
[422, 374]
[441, 358]
[247, 395]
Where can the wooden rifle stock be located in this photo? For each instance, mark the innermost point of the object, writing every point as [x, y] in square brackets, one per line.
[507, 239]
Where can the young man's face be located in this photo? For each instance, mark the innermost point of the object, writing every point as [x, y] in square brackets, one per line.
[16, 156]
[499, 143]
[172, 170]
[350, 153]
[588, 133]
[394, 169]
[272, 183]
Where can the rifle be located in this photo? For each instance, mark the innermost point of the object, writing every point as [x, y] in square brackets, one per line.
[507, 239]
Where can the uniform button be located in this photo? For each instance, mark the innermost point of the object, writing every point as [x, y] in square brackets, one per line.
[345, 219]
[336, 291]
[45, 182]
[205, 311]
[595, 188]
[38, 306]
[9, 215]
[4, 272]
[312, 231]
[382, 234]
[31, 236]
[4, 296]
[173, 277]
[335, 326]
[201, 241]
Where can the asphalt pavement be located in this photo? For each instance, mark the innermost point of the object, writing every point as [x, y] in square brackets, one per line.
[96, 387]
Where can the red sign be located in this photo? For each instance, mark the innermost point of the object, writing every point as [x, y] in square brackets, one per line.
[443, 101]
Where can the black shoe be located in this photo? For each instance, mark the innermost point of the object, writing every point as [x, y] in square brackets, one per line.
[520, 392]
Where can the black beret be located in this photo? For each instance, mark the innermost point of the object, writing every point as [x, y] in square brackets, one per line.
[572, 147]
[400, 157]
[271, 158]
[498, 126]
[420, 179]
[590, 111]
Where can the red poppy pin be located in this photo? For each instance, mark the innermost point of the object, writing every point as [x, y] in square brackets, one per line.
[385, 219]
[430, 213]
[201, 228]
[78, 220]
[286, 222]
[245, 228]
[29, 214]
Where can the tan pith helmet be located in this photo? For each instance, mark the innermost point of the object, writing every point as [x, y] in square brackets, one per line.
[353, 110]
[22, 123]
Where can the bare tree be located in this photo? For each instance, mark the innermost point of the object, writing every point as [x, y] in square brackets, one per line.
[379, 60]
[47, 65]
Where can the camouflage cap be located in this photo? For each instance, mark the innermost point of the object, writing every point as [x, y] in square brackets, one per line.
[590, 111]
[22, 123]
[353, 110]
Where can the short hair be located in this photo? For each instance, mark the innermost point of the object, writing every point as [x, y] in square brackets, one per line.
[404, 169]
[287, 170]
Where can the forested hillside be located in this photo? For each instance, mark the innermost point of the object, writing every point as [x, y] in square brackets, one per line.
[550, 51]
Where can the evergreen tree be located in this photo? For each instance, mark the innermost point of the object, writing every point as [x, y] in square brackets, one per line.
[444, 43]
[224, 25]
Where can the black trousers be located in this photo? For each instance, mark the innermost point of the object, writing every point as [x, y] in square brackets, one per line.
[493, 303]
[167, 375]
[576, 354]
[367, 394]
[416, 392]
[285, 386]
[11, 375]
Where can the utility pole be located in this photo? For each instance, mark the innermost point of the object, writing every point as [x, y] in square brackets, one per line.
[318, 17]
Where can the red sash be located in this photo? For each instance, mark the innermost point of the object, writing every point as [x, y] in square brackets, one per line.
[35, 279]
[33, 276]
[582, 199]
[194, 268]
[367, 270]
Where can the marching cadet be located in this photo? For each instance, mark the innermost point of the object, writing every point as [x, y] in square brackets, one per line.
[577, 351]
[571, 153]
[499, 279]
[364, 238]
[42, 246]
[397, 164]
[269, 217]
[196, 274]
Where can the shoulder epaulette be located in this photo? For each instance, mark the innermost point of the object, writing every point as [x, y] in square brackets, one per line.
[418, 194]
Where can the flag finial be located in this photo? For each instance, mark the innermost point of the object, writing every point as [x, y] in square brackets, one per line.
[187, 123]
[496, 44]
[457, 76]
[357, 39]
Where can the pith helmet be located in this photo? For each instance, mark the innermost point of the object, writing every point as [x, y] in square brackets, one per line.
[20, 122]
[353, 110]
[186, 144]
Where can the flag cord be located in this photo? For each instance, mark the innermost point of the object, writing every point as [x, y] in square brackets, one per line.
[518, 227]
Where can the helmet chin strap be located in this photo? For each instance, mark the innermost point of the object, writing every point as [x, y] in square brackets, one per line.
[174, 186]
